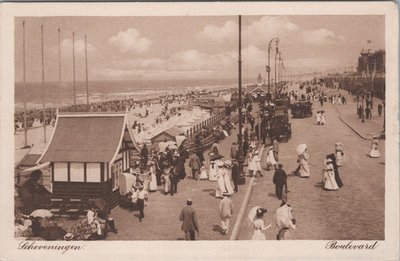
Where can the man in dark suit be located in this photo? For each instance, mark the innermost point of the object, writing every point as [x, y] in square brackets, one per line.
[189, 221]
[280, 180]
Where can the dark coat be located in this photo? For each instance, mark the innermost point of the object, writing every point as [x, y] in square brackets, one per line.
[189, 219]
[280, 177]
[235, 172]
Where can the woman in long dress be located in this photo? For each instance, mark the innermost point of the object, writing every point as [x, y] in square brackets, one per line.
[339, 153]
[203, 171]
[329, 176]
[271, 158]
[304, 171]
[374, 153]
[259, 225]
[323, 119]
[152, 177]
[166, 178]
[220, 186]
[228, 177]
[336, 170]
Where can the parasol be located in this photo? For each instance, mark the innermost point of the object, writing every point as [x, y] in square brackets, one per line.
[252, 213]
[42, 213]
[301, 148]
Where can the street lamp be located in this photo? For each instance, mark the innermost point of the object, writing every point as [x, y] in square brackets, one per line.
[269, 67]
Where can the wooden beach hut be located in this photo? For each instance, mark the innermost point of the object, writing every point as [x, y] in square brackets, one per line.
[87, 153]
[166, 135]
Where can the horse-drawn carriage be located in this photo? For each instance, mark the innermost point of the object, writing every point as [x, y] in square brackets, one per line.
[301, 109]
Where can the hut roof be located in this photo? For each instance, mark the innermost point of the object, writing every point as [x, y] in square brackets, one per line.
[29, 160]
[171, 132]
[91, 137]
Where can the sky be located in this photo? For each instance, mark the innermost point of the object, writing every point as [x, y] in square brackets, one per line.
[191, 47]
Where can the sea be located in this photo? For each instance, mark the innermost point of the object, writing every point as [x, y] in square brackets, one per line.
[100, 91]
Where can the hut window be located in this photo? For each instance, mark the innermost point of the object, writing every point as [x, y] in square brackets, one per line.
[77, 172]
[60, 171]
[93, 172]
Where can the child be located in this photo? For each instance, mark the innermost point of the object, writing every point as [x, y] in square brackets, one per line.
[203, 171]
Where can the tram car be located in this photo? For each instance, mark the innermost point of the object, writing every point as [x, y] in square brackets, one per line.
[301, 109]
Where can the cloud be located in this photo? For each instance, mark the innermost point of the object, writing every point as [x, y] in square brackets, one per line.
[131, 40]
[195, 60]
[66, 48]
[218, 35]
[321, 36]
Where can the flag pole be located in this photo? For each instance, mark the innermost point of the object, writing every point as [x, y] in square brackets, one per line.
[43, 90]
[87, 84]
[24, 85]
[73, 67]
[59, 68]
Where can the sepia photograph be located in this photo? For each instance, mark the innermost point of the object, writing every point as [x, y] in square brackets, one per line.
[202, 127]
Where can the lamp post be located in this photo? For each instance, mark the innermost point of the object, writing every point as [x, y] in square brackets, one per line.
[276, 58]
[240, 137]
[269, 67]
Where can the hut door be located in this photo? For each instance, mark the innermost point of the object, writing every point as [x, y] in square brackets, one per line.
[116, 170]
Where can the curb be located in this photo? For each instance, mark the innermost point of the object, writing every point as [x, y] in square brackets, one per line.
[354, 129]
[350, 126]
[235, 230]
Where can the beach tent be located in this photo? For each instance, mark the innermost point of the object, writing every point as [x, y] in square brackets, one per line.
[87, 153]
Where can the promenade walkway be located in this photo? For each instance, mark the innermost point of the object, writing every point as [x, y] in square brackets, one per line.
[161, 220]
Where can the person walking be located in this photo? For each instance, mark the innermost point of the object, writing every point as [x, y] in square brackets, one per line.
[284, 220]
[195, 165]
[380, 110]
[275, 145]
[141, 197]
[235, 175]
[189, 221]
[259, 225]
[374, 152]
[280, 180]
[225, 213]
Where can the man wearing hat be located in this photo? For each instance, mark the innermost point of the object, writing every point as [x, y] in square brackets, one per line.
[225, 213]
[189, 221]
[280, 180]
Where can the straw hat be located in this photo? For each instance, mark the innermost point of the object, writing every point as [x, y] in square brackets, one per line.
[68, 236]
[228, 164]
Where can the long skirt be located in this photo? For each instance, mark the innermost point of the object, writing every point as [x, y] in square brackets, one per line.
[258, 235]
[212, 174]
[329, 181]
[304, 169]
[228, 184]
[167, 184]
[220, 187]
[153, 183]
[374, 153]
[203, 174]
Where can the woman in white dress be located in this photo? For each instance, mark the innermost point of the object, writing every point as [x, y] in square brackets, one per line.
[318, 116]
[228, 177]
[339, 153]
[374, 153]
[323, 118]
[152, 177]
[167, 181]
[259, 225]
[271, 158]
[203, 171]
[220, 186]
[329, 176]
[304, 171]
[212, 173]
[254, 164]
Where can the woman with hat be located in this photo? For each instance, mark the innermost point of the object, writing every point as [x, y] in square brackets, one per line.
[323, 117]
[259, 225]
[271, 158]
[374, 153]
[254, 164]
[152, 177]
[227, 172]
[339, 153]
[329, 176]
[166, 177]
[220, 188]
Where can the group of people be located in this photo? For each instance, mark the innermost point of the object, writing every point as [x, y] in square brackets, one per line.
[320, 116]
